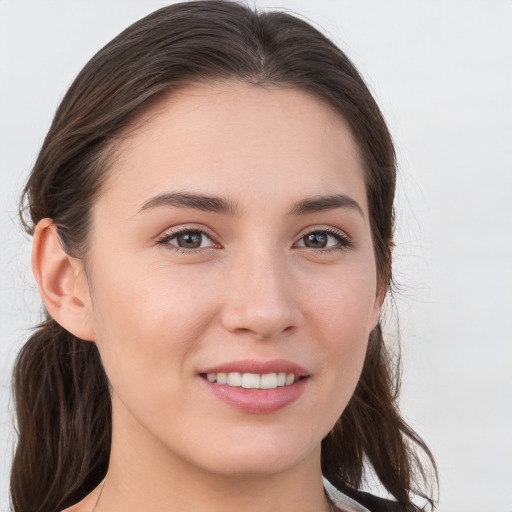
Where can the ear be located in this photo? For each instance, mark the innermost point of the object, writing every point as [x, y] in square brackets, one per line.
[377, 305]
[383, 284]
[62, 282]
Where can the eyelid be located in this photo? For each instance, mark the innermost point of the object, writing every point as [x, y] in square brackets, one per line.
[171, 233]
[344, 241]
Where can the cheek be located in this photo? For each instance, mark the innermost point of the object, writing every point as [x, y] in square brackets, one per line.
[147, 321]
[346, 303]
[343, 318]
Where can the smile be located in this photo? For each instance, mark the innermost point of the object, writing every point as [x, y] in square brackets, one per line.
[256, 387]
[253, 380]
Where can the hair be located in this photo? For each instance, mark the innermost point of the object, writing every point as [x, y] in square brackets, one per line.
[61, 391]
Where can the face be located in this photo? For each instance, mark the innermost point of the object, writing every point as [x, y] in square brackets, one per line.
[232, 278]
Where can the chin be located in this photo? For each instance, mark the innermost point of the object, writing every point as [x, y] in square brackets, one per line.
[258, 455]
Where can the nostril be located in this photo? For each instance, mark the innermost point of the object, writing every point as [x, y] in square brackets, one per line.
[260, 336]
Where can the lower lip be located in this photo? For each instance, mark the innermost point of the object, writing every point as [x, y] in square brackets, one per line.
[257, 401]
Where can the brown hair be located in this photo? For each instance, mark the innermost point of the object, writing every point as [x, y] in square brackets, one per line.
[61, 390]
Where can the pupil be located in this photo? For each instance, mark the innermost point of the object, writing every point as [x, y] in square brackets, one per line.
[316, 240]
[189, 240]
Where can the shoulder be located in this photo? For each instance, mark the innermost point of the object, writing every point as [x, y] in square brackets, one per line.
[359, 501]
[376, 504]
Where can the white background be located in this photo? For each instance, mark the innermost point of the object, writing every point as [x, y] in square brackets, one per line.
[442, 72]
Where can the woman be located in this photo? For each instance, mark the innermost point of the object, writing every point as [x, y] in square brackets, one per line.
[212, 212]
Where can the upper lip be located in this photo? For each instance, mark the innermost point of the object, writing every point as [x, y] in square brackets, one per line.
[259, 367]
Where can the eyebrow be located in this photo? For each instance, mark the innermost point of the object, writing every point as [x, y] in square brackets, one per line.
[322, 203]
[216, 204]
[196, 201]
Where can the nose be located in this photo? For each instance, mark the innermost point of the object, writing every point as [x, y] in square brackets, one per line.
[259, 297]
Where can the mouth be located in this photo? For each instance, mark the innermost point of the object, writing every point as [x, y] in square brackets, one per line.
[254, 386]
[252, 380]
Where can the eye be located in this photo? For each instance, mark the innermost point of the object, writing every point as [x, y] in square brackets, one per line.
[324, 239]
[187, 239]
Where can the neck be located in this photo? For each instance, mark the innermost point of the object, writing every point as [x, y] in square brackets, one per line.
[144, 475]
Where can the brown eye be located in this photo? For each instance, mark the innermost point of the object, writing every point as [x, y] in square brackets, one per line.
[189, 240]
[324, 239]
[316, 240]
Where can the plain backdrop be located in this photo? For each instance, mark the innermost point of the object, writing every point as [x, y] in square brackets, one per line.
[442, 72]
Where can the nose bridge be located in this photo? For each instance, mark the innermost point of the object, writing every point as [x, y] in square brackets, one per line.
[260, 296]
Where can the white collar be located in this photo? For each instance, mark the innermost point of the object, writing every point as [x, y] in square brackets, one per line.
[341, 500]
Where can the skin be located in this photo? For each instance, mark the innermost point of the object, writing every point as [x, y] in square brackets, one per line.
[160, 314]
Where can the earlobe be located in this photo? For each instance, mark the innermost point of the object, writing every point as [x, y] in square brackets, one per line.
[61, 282]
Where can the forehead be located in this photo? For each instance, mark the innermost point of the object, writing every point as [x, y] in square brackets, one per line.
[236, 138]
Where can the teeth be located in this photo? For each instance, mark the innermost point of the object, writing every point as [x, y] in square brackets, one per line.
[268, 381]
[234, 379]
[253, 380]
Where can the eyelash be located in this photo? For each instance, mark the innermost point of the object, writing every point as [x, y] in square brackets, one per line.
[343, 240]
[167, 237]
